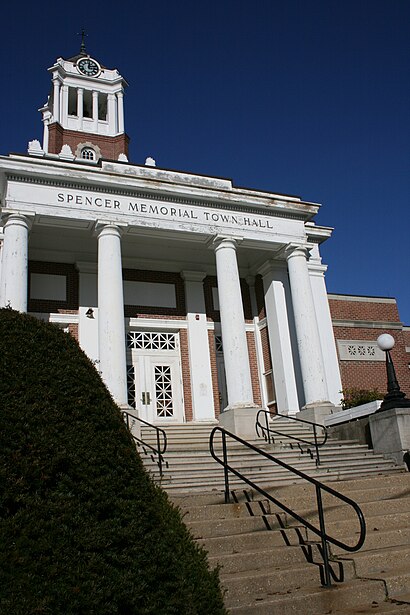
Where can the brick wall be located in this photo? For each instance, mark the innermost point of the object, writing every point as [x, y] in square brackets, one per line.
[364, 320]
[267, 361]
[214, 373]
[186, 375]
[253, 363]
[111, 147]
[365, 310]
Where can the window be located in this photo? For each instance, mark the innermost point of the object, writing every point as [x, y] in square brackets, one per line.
[72, 101]
[87, 104]
[102, 106]
[87, 153]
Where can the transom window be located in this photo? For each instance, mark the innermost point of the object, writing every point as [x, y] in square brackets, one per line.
[151, 340]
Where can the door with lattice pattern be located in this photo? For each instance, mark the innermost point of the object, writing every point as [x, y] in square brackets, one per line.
[154, 376]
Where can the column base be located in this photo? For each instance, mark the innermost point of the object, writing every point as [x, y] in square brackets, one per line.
[390, 431]
[240, 420]
[316, 412]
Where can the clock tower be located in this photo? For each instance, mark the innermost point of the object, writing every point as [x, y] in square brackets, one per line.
[85, 110]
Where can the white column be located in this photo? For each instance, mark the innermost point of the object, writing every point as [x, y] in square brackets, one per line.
[111, 327]
[327, 339]
[198, 347]
[112, 114]
[307, 331]
[279, 342]
[120, 107]
[236, 357]
[64, 106]
[80, 107]
[46, 121]
[95, 111]
[15, 263]
[56, 100]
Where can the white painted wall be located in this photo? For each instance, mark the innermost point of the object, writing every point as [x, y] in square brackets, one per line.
[198, 348]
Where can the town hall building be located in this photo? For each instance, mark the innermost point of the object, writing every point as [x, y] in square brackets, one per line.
[196, 300]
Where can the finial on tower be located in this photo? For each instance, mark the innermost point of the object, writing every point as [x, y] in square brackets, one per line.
[83, 35]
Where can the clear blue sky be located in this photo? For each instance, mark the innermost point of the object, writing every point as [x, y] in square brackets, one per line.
[309, 98]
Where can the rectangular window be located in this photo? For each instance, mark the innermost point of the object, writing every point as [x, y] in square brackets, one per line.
[48, 286]
[87, 104]
[102, 106]
[72, 101]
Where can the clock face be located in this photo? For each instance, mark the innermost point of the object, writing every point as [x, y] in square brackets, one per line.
[88, 67]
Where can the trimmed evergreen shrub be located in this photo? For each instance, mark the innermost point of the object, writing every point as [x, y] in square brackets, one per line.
[356, 397]
[83, 529]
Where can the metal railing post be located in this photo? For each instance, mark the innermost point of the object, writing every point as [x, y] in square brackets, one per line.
[159, 455]
[316, 446]
[225, 464]
[267, 426]
[325, 553]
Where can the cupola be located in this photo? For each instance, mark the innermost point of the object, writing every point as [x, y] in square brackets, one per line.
[85, 109]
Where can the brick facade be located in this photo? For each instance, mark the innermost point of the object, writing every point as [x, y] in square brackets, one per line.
[214, 373]
[253, 363]
[364, 319]
[110, 147]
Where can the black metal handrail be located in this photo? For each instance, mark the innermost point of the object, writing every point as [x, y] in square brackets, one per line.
[319, 487]
[267, 431]
[157, 455]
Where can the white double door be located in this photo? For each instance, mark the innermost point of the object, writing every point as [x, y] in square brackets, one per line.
[155, 384]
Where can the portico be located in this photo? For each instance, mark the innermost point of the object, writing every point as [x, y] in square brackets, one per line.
[195, 300]
[257, 252]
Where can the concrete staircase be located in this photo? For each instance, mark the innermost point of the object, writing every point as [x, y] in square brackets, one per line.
[266, 572]
[191, 467]
[264, 567]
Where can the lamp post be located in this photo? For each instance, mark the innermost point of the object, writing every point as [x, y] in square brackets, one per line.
[394, 398]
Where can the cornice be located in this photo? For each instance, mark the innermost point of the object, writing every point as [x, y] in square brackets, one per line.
[155, 196]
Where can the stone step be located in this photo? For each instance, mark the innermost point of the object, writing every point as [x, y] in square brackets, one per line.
[265, 478]
[199, 486]
[262, 559]
[244, 542]
[378, 539]
[314, 600]
[229, 527]
[376, 608]
[377, 560]
[257, 584]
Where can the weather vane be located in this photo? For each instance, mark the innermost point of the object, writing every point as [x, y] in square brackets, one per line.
[83, 35]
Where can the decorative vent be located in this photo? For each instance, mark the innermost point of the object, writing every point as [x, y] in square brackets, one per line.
[353, 350]
[151, 340]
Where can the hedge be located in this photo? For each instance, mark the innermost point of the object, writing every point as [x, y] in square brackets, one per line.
[83, 529]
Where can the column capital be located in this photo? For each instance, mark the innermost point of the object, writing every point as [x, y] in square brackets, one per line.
[193, 276]
[225, 241]
[105, 227]
[298, 249]
[17, 218]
